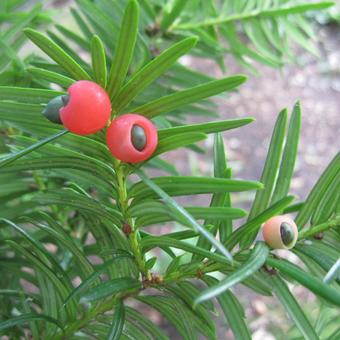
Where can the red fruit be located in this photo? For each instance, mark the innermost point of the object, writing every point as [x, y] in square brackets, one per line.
[88, 108]
[132, 138]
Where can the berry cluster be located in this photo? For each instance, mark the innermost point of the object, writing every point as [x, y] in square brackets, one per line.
[86, 109]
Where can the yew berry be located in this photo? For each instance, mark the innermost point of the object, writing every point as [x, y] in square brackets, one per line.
[132, 138]
[280, 232]
[88, 108]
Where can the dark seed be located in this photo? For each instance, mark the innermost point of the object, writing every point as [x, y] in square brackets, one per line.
[287, 233]
[51, 111]
[138, 137]
[65, 99]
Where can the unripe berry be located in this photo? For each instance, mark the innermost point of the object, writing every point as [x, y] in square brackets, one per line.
[88, 108]
[132, 138]
[280, 232]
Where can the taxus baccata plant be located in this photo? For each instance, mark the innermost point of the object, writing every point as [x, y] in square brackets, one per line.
[77, 261]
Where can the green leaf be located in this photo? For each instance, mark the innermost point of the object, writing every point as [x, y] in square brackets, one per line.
[218, 199]
[151, 212]
[151, 71]
[269, 173]
[58, 233]
[145, 324]
[150, 242]
[266, 13]
[13, 157]
[170, 17]
[305, 279]
[51, 76]
[57, 54]
[232, 310]
[318, 253]
[182, 213]
[192, 95]
[117, 325]
[254, 225]
[221, 170]
[122, 285]
[199, 315]
[98, 61]
[27, 95]
[289, 156]
[327, 206]
[175, 311]
[318, 192]
[98, 168]
[255, 261]
[26, 318]
[58, 283]
[69, 198]
[94, 276]
[189, 185]
[179, 140]
[292, 307]
[211, 127]
[124, 49]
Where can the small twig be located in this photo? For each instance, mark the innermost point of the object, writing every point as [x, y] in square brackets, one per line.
[334, 223]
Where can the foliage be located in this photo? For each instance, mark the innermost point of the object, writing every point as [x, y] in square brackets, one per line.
[76, 260]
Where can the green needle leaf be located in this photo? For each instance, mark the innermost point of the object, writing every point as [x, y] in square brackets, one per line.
[25, 318]
[211, 127]
[117, 325]
[13, 157]
[121, 285]
[266, 13]
[313, 284]
[124, 49]
[269, 173]
[151, 72]
[254, 225]
[93, 277]
[232, 310]
[169, 18]
[27, 95]
[183, 213]
[289, 155]
[179, 140]
[255, 261]
[292, 307]
[318, 192]
[191, 185]
[57, 54]
[50, 76]
[185, 97]
[98, 61]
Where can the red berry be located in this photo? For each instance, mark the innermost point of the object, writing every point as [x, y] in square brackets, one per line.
[132, 138]
[88, 108]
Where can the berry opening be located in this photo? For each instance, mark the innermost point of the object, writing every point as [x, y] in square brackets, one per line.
[287, 233]
[138, 137]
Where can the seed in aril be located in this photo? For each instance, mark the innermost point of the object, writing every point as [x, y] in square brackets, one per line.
[280, 232]
[132, 138]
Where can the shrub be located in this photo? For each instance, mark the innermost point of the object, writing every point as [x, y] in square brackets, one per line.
[76, 261]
